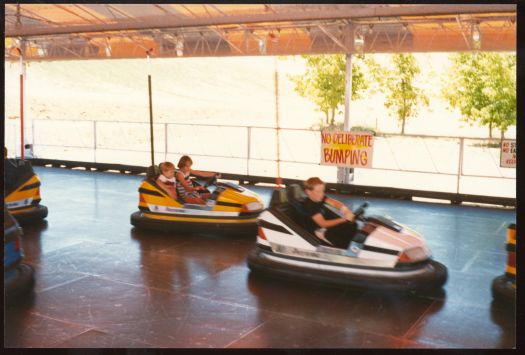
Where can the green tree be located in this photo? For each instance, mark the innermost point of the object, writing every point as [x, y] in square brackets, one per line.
[483, 86]
[402, 96]
[324, 82]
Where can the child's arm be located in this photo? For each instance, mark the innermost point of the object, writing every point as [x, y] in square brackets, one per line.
[170, 190]
[327, 223]
[202, 173]
[180, 178]
[341, 207]
[334, 203]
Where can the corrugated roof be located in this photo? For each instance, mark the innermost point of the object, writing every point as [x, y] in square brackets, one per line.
[74, 31]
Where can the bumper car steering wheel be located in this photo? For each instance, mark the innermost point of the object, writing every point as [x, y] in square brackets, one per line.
[211, 181]
[358, 213]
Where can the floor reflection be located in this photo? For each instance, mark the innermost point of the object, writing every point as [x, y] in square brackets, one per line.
[159, 263]
[175, 262]
[504, 315]
[32, 240]
[390, 317]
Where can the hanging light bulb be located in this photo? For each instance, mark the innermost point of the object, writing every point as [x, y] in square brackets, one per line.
[262, 46]
[108, 47]
[476, 36]
[40, 50]
[359, 41]
[179, 46]
[274, 37]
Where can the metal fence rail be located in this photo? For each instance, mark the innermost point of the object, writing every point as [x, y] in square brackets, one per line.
[250, 150]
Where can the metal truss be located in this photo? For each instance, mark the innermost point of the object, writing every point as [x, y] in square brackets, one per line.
[380, 35]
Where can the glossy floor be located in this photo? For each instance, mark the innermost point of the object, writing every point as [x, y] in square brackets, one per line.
[102, 283]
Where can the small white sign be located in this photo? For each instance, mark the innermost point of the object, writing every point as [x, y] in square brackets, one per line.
[508, 153]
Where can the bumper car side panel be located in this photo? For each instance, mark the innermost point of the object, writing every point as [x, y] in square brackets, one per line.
[29, 214]
[503, 289]
[21, 283]
[195, 224]
[429, 275]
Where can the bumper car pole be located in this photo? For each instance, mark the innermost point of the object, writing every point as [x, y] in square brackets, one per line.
[22, 92]
[150, 108]
[348, 173]
[278, 180]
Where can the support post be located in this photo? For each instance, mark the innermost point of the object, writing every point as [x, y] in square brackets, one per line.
[22, 94]
[278, 180]
[150, 113]
[95, 141]
[33, 135]
[346, 175]
[165, 142]
[248, 151]
[460, 162]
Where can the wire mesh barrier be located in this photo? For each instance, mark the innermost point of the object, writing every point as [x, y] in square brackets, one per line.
[433, 163]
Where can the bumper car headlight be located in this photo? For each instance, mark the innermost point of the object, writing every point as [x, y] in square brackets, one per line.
[252, 206]
[414, 254]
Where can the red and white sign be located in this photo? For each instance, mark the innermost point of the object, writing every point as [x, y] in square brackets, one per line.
[508, 153]
[347, 149]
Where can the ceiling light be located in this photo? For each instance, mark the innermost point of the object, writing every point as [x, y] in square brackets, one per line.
[359, 41]
[476, 36]
[262, 46]
[179, 46]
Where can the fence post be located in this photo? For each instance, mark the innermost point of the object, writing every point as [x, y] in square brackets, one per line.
[94, 141]
[165, 142]
[33, 134]
[248, 151]
[460, 162]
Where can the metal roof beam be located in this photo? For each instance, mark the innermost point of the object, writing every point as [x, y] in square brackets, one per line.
[462, 30]
[333, 38]
[218, 32]
[345, 12]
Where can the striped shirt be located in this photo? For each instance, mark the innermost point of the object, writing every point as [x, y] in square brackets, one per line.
[181, 190]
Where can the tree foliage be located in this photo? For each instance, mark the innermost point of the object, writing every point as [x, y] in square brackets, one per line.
[324, 82]
[483, 86]
[402, 96]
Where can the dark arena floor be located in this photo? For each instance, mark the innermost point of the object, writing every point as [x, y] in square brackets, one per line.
[102, 283]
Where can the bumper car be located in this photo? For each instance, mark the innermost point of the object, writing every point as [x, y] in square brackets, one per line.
[18, 277]
[230, 209]
[382, 255]
[22, 191]
[504, 286]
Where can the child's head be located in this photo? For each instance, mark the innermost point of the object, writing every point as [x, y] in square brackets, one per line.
[167, 169]
[314, 188]
[185, 163]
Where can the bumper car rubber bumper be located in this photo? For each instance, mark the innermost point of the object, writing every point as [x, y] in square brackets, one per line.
[38, 212]
[427, 276]
[21, 283]
[242, 226]
[502, 290]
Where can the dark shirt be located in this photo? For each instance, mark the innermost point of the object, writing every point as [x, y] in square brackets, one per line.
[312, 208]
